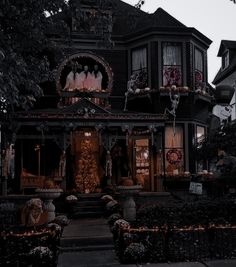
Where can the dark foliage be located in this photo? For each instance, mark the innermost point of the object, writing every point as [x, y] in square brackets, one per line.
[24, 49]
[204, 212]
[16, 244]
[223, 138]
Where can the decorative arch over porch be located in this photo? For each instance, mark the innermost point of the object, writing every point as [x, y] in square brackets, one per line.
[85, 58]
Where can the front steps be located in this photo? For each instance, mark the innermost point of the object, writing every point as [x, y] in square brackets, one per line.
[90, 234]
[88, 230]
[87, 206]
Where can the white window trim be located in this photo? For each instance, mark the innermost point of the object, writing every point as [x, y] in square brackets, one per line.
[224, 56]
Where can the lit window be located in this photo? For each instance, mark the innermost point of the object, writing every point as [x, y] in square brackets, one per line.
[172, 64]
[200, 134]
[174, 150]
[87, 134]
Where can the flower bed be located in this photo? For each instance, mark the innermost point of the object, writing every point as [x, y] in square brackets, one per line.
[193, 231]
[137, 245]
[31, 245]
[202, 212]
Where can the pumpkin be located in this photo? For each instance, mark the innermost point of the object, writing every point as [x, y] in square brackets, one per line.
[127, 182]
[49, 184]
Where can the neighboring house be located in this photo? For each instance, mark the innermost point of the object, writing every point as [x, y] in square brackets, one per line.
[88, 130]
[225, 81]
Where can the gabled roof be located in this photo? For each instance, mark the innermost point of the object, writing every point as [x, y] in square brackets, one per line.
[226, 44]
[223, 73]
[164, 19]
[81, 105]
[130, 19]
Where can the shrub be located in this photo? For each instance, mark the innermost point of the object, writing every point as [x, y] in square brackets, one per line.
[41, 256]
[134, 253]
[112, 218]
[203, 212]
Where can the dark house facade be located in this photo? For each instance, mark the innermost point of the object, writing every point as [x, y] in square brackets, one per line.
[129, 99]
[225, 81]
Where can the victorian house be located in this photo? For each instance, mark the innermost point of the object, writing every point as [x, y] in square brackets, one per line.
[225, 81]
[129, 98]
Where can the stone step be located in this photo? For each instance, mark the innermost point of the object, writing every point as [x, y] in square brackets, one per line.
[88, 208]
[92, 202]
[80, 242]
[96, 196]
[86, 214]
[87, 248]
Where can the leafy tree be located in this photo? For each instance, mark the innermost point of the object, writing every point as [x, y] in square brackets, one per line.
[23, 47]
[222, 139]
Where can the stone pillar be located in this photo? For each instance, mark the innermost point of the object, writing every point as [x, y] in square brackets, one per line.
[129, 209]
[129, 206]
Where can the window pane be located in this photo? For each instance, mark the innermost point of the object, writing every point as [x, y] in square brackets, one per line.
[171, 54]
[172, 75]
[172, 64]
[172, 141]
[225, 60]
[198, 67]
[139, 59]
[198, 60]
[174, 152]
[200, 133]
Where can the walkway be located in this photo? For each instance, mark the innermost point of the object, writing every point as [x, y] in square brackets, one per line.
[88, 243]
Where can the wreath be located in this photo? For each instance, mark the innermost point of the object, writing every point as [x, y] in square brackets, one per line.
[174, 156]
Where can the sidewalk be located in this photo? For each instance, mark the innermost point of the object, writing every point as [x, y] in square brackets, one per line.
[107, 258]
[88, 243]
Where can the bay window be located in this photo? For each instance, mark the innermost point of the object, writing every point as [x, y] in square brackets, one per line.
[172, 64]
[139, 65]
[198, 70]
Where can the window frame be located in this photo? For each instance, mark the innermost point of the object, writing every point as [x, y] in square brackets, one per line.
[225, 60]
[180, 45]
[200, 164]
[136, 49]
[181, 148]
[198, 70]
[141, 73]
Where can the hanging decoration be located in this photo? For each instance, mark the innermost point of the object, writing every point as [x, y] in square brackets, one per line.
[174, 156]
[127, 129]
[136, 85]
[108, 167]
[152, 130]
[174, 105]
[62, 165]
[99, 128]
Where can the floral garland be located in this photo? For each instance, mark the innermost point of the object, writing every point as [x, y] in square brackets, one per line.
[174, 156]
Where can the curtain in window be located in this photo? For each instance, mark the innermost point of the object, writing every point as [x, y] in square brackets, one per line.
[139, 59]
[198, 67]
[174, 152]
[173, 141]
[172, 69]
[171, 54]
[198, 60]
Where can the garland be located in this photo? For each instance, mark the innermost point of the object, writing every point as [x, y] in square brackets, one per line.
[174, 156]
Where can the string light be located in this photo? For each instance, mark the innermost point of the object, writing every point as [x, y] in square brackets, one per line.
[156, 229]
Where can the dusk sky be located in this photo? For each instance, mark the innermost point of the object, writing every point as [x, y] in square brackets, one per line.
[213, 18]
